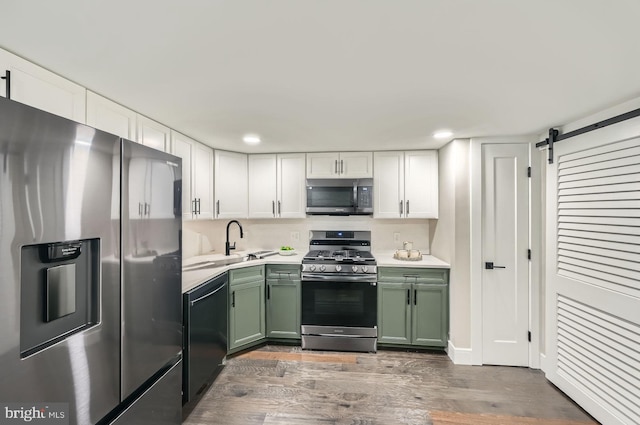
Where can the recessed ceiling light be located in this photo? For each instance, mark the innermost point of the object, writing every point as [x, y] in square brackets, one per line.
[251, 139]
[442, 134]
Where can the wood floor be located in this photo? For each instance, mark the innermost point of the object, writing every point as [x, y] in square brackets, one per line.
[278, 385]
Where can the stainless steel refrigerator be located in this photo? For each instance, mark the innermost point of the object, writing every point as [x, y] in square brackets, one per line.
[90, 273]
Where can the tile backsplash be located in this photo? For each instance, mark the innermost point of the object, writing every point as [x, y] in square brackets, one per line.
[204, 236]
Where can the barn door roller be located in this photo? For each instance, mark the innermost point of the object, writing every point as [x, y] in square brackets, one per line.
[555, 136]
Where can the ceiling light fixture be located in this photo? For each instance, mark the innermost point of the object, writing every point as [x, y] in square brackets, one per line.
[251, 139]
[443, 134]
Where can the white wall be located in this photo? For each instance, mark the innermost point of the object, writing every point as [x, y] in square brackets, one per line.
[451, 239]
[271, 234]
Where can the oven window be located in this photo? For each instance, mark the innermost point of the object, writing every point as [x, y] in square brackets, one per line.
[329, 197]
[339, 304]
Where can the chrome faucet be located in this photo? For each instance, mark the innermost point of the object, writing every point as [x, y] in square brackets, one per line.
[227, 246]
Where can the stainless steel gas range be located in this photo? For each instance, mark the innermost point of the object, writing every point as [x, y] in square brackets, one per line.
[339, 292]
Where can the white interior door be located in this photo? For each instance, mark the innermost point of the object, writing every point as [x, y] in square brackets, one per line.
[593, 271]
[505, 239]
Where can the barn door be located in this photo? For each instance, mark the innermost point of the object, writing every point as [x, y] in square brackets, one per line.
[593, 271]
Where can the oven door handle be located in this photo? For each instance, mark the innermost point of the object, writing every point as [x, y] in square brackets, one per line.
[320, 277]
[344, 336]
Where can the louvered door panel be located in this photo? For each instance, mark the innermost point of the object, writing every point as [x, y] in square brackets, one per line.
[593, 275]
[611, 254]
[600, 354]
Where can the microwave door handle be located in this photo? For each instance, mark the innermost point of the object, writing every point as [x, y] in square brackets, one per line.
[355, 196]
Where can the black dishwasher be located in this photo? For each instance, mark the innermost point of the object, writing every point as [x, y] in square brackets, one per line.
[205, 337]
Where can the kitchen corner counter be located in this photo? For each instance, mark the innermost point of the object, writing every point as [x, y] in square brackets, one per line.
[385, 259]
[193, 278]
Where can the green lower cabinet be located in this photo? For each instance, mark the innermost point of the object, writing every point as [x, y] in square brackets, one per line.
[394, 313]
[283, 301]
[430, 315]
[246, 306]
[413, 307]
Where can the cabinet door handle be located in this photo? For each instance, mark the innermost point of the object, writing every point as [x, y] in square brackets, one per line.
[147, 208]
[218, 207]
[7, 83]
[193, 207]
[233, 299]
[407, 208]
[401, 208]
[273, 208]
[341, 166]
[415, 297]
[408, 296]
[140, 209]
[279, 209]
[268, 292]
[199, 205]
[336, 166]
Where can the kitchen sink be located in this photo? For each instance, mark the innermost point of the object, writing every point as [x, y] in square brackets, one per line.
[217, 263]
[227, 261]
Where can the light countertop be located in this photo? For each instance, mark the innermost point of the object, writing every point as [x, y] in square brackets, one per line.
[385, 259]
[193, 278]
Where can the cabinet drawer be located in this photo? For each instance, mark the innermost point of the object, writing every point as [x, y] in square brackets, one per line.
[246, 274]
[284, 271]
[412, 275]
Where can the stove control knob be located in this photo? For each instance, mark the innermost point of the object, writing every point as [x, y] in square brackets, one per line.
[355, 269]
[338, 268]
[322, 268]
[365, 269]
[312, 267]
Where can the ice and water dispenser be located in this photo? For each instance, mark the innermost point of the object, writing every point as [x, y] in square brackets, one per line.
[60, 286]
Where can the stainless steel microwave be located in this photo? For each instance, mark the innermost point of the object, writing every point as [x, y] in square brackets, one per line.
[340, 196]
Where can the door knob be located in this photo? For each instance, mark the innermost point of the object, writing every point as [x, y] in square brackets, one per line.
[490, 266]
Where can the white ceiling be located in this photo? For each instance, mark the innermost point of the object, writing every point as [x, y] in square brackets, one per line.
[320, 75]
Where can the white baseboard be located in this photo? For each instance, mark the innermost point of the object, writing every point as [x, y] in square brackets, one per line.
[459, 355]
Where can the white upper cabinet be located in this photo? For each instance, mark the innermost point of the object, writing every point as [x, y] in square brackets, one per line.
[262, 186]
[231, 185]
[388, 185]
[336, 165]
[406, 184]
[356, 165]
[291, 190]
[42, 89]
[106, 115]
[153, 134]
[197, 176]
[277, 186]
[421, 184]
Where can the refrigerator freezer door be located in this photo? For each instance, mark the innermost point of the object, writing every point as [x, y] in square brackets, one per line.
[151, 262]
[159, 405]
[57, 184]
